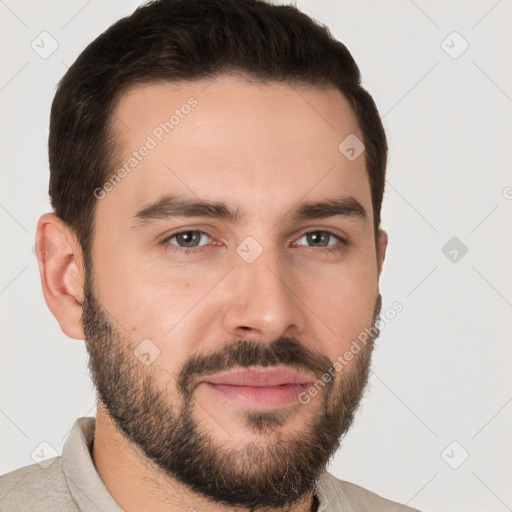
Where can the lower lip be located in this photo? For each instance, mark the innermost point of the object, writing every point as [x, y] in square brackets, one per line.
[255, 397]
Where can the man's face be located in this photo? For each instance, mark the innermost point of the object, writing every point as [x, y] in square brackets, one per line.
[285, 281]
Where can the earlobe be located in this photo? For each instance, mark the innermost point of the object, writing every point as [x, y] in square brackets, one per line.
[382, 244]
[61, 268]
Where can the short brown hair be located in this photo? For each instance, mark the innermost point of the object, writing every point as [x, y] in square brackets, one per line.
[170, 40]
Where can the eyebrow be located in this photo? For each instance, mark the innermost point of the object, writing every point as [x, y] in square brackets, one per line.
[344, 206]
[170, 206]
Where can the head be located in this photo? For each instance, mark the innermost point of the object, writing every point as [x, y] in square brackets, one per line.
[208, 218]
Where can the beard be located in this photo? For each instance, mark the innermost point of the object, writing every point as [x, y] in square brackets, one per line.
[275, 470]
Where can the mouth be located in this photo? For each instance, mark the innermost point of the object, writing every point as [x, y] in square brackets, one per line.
[259, 387]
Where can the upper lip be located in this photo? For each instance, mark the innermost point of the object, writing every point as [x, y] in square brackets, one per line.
[260, 377]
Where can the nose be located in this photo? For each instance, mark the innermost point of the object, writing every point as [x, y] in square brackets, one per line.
[263, 302]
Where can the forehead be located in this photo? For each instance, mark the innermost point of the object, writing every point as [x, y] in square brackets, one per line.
[266, 144]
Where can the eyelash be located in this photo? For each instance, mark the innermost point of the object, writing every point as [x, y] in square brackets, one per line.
[189, 250]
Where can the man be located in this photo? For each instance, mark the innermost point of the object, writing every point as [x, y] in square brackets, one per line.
[217, 174]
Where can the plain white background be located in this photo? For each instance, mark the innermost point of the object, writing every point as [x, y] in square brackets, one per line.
[441, 385]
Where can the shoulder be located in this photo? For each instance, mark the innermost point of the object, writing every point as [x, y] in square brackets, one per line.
[36, 487]
[335, 494]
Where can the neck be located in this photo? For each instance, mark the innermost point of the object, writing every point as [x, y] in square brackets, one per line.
[137, 485]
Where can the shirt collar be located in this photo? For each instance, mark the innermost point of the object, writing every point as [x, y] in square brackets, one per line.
[87, 487]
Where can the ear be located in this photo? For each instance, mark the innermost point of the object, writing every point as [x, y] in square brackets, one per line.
[62, 274]
[382, 244]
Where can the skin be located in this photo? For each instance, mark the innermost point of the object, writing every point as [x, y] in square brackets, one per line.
[261, 148]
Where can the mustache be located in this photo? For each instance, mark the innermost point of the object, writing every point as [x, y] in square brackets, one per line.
[286, 351]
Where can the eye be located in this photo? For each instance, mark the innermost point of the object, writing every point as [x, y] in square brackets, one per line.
[189, 239]
[320, 238]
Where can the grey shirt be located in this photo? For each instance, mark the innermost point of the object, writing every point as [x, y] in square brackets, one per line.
[71, 483]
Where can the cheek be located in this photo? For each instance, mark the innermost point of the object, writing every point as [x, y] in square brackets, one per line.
[344, 302]
[161, 302]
